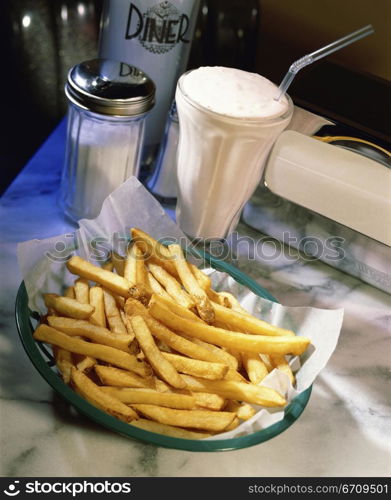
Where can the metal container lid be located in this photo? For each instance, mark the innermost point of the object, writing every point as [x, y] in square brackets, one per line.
[110, 88]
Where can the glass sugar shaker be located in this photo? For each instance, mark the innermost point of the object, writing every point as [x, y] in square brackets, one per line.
[163, 183]
[108, 102]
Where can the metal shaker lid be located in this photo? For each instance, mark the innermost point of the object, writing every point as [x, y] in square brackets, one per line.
[110, 88]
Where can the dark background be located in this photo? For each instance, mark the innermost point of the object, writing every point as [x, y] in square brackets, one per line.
[42, 39]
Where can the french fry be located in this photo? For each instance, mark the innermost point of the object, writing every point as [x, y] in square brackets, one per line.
[120, 301]
[254, 366]
[193, 347]
[168, 430]
[138, 396]
[243, 410]
[217, 298]
[236, 354]
[98, 317]
[140, 355]
[153, 250]
[164, 348]
[235, 422]
[127, 323]
[113, 282]
[203, 280]
[208, 400]
[113, 315]
[176, 342]
[67, 306]
[94, 394]
[64, 363]
[203, 369]
[111, 376]
[156, 287]
[282, 364]
[141, 270]
[247, 323]
[108, 279]
[152, 247]
[108, 265]
[81, 289]
[118, 262]
[232, 389]
[69, 292]
[86, 364]
[230, 301]
[232, 405]
[162, 386]
[191, 285]
[130, 267]
[49, 335]
[134, 347]
[161, 366]
[267, 361]
[175, 307]
[171, 285]
[220, 324]
[141, 292]
[82, 328]
[232, 340]
[215, 421]
[220, 355]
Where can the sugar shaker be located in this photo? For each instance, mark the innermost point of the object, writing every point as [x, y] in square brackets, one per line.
[163, 183]
[108, 102]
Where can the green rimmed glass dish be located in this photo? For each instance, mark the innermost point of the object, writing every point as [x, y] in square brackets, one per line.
[44, 363]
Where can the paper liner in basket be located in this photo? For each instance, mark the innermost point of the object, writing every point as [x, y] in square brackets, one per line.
[42, 264]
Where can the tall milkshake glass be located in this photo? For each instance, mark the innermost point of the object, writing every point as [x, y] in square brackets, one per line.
[229, 121]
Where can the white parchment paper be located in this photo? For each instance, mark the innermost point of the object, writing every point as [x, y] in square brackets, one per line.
[42, 264]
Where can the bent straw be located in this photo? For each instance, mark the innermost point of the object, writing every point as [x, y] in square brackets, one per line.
[318, 54]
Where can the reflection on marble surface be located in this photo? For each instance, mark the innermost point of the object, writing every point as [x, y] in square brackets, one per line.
[331, 242]
[344, 431]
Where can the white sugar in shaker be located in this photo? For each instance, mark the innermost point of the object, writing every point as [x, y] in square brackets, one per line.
[108, 103]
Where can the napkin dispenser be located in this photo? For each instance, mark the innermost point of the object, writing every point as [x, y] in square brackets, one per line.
[330, 202]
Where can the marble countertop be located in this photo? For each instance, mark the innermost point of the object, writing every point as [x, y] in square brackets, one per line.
[344, 431]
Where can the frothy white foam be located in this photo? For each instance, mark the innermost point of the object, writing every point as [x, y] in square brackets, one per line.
[234, 92]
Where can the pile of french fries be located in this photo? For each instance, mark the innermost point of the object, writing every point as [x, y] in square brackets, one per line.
[146, 339]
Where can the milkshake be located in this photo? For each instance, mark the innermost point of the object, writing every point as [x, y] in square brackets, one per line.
[229, 120]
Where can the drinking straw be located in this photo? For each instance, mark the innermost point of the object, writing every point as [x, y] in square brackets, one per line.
[318, 54]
